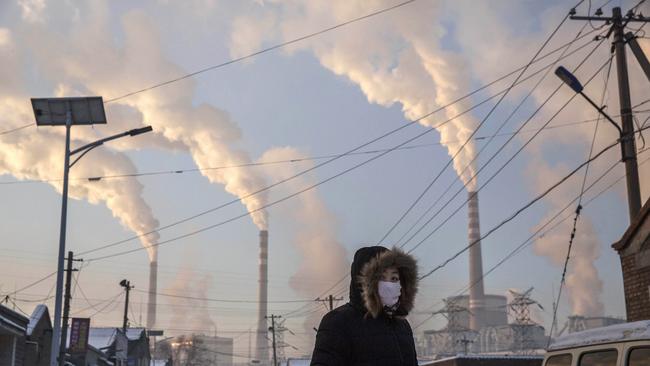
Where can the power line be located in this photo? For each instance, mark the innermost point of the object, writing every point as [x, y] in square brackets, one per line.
[555, 50]
[220, 300]
[578, 208]
[522, 209]
[30, 285]
[95, 178]
[16, 129]
[310, 187]
[500, 169]
[302, 173]
[487, 116]
[539, 234]
[475, 157]
[262, 51]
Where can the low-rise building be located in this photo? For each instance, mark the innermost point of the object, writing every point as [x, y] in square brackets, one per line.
[13, 330]
[634, 251]
[38, 338]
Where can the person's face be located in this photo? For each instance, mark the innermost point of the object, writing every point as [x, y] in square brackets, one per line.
[391, 274]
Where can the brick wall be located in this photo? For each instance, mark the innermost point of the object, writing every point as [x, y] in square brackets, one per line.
[636, 280]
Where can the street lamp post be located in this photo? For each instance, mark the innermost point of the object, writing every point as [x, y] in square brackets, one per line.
[68, 112]
[626, 138]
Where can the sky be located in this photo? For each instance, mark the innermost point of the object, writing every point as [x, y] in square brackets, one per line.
[222, 135]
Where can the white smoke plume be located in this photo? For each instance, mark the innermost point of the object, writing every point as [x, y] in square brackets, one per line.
[398, 59]
[511, 40]
[88, 60]
[322, 255]
[404, 57]
[195, 311]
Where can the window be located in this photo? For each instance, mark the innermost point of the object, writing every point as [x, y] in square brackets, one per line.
[599, 358]
[639, 357]
[559, 360]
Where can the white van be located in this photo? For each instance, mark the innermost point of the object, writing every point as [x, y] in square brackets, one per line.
[626, 344]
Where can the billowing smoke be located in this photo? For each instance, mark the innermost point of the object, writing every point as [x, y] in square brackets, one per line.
[407, 57]
[195, 312]
[398, 59]
[127, 64]
[584, 287]
[322, 255]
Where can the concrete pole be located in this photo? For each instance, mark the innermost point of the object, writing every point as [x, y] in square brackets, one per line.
[56, 331]
[66, 306]
[627, 123]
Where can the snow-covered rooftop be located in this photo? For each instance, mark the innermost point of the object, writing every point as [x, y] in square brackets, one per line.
[134, 333]
[101, 338]
[38, 313]
[614, 333]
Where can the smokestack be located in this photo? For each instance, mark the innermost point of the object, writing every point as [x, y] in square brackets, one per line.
[153, 288]
[262, 349]
[476, 292]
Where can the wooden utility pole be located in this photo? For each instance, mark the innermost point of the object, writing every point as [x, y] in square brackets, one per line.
[618, 23]
[127, 287]
[66, 306]
[330, 300]
[272, 329]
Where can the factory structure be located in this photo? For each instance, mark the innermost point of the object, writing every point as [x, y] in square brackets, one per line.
[262, 341]
[478, 322]
[196, 349]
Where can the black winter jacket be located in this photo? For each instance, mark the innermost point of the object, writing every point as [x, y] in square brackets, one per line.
[360, 333]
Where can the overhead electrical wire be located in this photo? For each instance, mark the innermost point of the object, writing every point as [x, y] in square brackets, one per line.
[427, 131]
[542, 231]
[6, 132]
[412, 122]
[95, 178]
[514, 111]
[221, 300]
[524, 67]
[483, 120]
[520, 210]
[500, 169]
[262, 51]
[578, 208]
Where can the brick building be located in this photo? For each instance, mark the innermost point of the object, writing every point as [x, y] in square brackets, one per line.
[634, 251]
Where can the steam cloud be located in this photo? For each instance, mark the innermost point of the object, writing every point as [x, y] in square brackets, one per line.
[204, 131]
[315, 239]
[399, 59]
[195, 314]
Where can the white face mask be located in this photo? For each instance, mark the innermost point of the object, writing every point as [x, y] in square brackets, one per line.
[389, 292]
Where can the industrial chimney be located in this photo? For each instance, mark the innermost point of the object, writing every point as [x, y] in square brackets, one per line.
[476, 292]
[153, 288]
[262, 349]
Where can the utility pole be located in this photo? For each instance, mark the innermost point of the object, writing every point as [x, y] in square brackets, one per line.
[618, 23]
[127, 287]
[272, 329]
[66, 304]
[330, 299]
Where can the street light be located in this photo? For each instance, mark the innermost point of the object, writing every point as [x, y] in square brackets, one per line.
[569, 79]
[626, 138]
[68, 112]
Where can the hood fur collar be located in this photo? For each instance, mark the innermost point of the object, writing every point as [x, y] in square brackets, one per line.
[371, 275]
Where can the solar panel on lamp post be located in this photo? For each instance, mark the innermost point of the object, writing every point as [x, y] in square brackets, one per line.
[68, 112]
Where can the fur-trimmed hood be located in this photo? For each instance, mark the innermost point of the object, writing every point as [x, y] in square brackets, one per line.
[378, 259]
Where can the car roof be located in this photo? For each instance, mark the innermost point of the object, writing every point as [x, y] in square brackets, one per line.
[624, 332]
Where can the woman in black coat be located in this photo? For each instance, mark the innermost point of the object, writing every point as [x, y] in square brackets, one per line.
[371, 328]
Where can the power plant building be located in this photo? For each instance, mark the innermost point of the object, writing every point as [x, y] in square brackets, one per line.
[478, 322]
